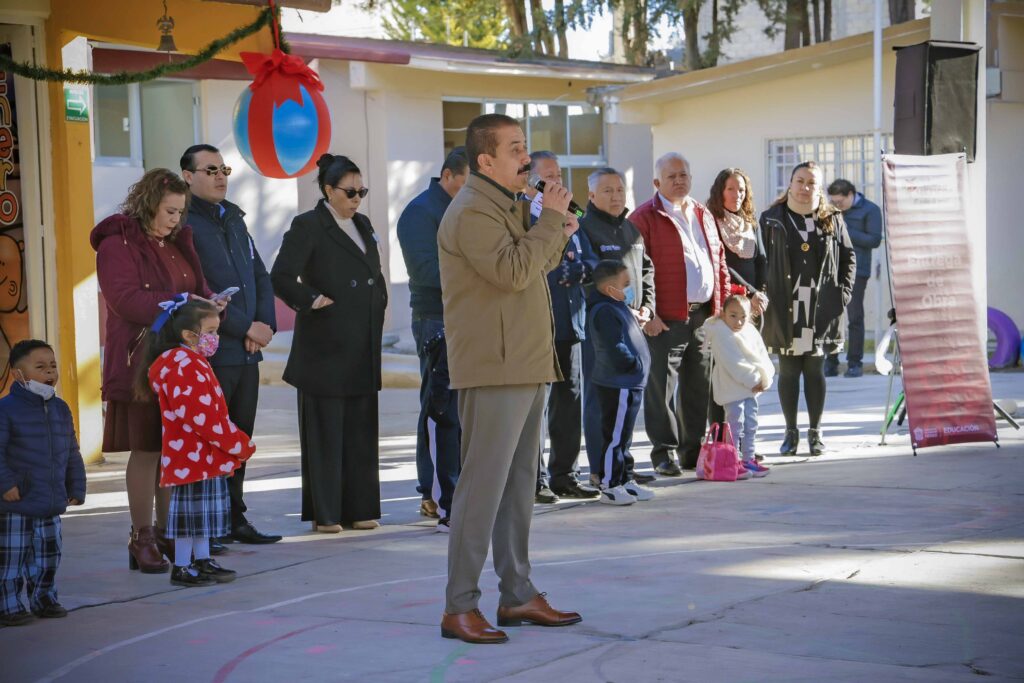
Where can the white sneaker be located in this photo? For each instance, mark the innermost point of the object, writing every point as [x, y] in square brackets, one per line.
[617, 495]
[638, 491]
[444, 525]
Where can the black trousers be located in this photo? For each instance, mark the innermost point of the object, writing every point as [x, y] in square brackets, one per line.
[855, 330]
[677, 399]
[338, 438]
[564, 417]
[241, 387]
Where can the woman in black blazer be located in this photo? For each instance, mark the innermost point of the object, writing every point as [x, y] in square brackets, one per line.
[329, 271]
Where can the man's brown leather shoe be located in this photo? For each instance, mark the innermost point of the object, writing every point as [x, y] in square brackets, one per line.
[536, 611]
[471, 627]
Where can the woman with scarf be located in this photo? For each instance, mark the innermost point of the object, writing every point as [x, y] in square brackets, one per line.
[732, 204]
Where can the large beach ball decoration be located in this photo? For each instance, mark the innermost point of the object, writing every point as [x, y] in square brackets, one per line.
[281, 122]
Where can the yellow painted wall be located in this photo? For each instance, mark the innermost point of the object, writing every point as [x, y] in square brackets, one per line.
[126, 23]
[733, 127]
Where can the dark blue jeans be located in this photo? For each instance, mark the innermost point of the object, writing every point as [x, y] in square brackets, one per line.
[438, 446]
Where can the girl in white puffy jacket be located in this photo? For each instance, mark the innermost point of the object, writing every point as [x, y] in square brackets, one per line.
[741, 370]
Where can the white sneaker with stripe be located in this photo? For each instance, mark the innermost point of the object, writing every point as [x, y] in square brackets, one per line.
[616, 495]
[638, 491]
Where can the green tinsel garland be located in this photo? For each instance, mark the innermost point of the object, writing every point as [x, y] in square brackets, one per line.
[38, 73]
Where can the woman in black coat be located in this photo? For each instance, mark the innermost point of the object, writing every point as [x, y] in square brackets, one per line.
[329, 271]
[811, 267]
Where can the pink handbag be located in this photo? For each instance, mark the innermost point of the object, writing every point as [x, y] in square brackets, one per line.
[718, 460]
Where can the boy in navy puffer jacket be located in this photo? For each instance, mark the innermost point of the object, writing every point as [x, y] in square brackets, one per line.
[41, 473]
[622, 363]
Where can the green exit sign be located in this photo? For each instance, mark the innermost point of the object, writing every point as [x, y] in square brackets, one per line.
[76, 102]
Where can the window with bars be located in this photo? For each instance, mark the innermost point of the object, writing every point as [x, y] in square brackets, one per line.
[572, 130]
[851, 157]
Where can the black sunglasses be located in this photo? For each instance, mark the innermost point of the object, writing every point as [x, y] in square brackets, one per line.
[351, 192]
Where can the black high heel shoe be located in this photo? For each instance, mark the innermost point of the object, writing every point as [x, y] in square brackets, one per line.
[790, 442]
[815, 442]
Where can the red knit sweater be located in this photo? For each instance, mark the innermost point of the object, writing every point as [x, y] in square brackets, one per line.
[199, 439]
[663, 244]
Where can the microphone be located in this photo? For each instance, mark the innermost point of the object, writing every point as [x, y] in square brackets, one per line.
[536, 183]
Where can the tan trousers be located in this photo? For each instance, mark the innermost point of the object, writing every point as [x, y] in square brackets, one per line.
[493, 502]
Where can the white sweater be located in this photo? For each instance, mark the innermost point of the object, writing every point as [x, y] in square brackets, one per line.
[741, 361]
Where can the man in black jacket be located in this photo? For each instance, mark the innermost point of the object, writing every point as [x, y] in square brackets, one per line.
[228, 256]
[613, 237]
[438, 441]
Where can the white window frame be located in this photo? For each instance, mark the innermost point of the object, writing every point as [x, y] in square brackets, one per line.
[565, 161]
[135, 131]
[837, 164]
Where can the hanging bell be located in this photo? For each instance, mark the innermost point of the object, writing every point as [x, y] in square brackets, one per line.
[167, 43]
[166, 26]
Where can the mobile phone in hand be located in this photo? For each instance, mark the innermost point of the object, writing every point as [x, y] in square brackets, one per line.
[227, 293]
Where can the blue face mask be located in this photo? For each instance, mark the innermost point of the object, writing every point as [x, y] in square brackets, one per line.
[628, 293]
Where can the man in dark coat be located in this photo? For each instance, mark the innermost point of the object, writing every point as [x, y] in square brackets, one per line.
[568, 310]
[229, 259]
[612, 236]
[437, 441]
[864, 226]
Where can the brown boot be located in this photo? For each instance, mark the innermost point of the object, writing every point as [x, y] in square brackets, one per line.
[164, 545]
[471, 627]
[143, 553]
[536, 611]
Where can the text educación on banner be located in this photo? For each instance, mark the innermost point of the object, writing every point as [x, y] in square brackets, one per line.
[945, 370]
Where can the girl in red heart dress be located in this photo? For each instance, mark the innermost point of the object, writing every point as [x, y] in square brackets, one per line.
[201, 446]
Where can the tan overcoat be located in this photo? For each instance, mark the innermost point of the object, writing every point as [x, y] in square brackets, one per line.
[497, 308]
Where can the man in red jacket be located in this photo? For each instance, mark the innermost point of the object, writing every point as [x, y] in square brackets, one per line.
[692, 280]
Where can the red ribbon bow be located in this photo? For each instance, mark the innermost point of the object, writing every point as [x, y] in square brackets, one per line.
[283, 72]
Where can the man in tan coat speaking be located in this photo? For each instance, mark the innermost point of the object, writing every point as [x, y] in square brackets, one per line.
[501, 352]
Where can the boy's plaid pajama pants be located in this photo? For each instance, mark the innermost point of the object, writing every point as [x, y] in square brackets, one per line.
[29, 556]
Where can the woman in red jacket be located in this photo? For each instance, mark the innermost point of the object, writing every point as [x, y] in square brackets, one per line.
[143, 256]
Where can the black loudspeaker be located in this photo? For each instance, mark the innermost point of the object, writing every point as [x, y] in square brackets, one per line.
[936, 98]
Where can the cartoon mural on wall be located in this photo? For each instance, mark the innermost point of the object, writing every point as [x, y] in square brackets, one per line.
[14, 324]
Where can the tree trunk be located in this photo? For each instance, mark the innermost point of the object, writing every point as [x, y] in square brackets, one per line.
[815, 5]
[901, 11]
[714, 40]
[793, 24]
[691, 15]
[542, 43]
[560, 29]
[640, 33]
[516, 11]
[805, 24]
[826, 29]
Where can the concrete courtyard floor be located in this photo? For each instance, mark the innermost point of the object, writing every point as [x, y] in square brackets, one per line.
[866, 564]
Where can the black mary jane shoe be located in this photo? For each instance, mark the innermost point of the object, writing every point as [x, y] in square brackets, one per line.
[790, 442]
[190, 577]
[815, 442]
[213, 570]
[217, 547]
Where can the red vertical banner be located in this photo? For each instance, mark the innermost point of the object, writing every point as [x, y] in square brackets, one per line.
[945, 369]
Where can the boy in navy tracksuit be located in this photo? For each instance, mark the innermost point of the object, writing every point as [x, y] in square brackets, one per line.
[622, 362]
[41, 473]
